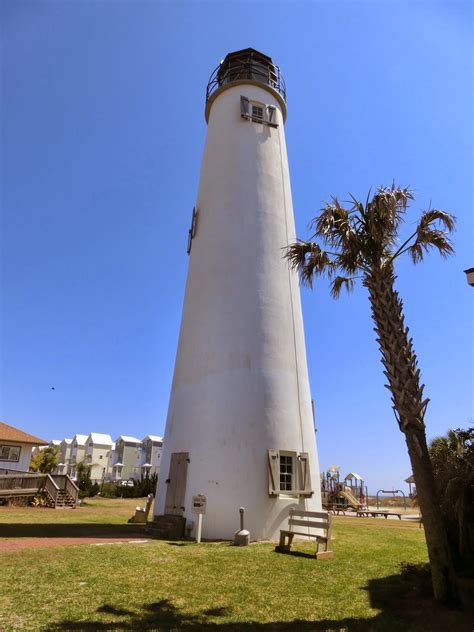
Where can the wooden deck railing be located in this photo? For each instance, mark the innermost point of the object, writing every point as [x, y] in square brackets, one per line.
[22, 481]
[32, 483]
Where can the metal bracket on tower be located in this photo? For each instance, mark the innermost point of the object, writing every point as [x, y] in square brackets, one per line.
[192, 230]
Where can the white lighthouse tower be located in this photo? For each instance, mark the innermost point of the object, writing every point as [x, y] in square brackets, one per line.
[240, 426]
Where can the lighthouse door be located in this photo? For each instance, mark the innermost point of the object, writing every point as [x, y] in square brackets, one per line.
[176, 483]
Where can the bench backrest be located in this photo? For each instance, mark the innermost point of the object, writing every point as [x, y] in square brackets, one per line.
[310, 519]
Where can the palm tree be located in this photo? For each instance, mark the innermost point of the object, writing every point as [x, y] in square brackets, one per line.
[362, 241]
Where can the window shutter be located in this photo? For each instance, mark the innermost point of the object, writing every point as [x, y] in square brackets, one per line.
[272, 116]
[305, 476]
[192, 230]
[273, 472]
[194, 223]
[244, 107]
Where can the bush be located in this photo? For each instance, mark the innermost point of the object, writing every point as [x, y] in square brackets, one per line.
[86, 487]
[138, 489]
[452, 457]
[108, 490]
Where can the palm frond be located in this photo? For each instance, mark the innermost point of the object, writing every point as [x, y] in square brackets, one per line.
[385, 212]
[335, 226]
[430, 238]
[340, 282]
[350, 261]
[441, 217]
[429, 234]
[309, 260]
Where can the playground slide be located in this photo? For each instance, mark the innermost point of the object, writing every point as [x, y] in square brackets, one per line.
[351, 499]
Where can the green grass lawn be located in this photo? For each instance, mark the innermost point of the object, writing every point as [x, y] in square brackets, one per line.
[163, 585]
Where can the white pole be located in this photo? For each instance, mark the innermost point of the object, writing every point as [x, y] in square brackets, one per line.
[199, 527]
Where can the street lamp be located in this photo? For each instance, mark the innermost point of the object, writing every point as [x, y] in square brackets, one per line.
[470, 276]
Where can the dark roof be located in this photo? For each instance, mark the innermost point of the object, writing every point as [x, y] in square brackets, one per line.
[247, 52]
[11, 434]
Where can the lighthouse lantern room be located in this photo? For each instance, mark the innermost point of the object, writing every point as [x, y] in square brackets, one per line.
[240, 428]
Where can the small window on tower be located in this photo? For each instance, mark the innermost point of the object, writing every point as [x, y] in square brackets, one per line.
[257, 113]
[286, 472]
[289, 473]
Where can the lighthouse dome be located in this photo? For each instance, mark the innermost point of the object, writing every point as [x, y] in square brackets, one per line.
[246, 66]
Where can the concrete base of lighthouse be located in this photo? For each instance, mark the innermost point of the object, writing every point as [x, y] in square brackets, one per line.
[233, 468]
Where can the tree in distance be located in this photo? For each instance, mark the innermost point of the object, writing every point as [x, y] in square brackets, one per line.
[362, 241]
[46, 460]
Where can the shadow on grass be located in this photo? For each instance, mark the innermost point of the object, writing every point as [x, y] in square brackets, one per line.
[295, 553]
[404, 602]
[80, 530]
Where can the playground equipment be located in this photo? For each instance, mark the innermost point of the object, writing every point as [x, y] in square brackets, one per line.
[351, 494]
[411, 485]
[394, 492]
[354, 485]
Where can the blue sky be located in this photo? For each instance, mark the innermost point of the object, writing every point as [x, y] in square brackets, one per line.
[102, 135]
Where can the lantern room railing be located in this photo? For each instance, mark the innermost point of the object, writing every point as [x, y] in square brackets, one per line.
[253, 69]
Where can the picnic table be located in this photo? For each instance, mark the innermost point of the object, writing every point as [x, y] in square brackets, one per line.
[377, 512]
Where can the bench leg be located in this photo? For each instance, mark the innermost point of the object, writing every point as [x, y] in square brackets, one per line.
[283, 546]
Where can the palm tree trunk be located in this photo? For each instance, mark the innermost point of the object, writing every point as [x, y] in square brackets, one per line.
[403, 377]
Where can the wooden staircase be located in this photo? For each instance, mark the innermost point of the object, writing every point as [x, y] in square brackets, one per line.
[167, 527]
[64, 499]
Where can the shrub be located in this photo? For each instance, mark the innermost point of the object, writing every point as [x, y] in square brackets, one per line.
[108, 490]
[452, 457]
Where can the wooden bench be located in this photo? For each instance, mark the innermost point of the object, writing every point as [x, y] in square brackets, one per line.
[309, 520]
[374, 514]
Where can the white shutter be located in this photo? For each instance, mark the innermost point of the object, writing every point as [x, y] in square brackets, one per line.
[305, 475]
[194, 223]
[273, 472]
[244, 107]
[272, 116]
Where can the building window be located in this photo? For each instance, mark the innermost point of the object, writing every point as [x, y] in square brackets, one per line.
[286, 472]
[258, 112]
[10, 453]
[289, 473]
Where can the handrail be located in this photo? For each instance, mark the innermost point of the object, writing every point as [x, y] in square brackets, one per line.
[51, 488]
[249, 69]
[70, 482]
[72, 489]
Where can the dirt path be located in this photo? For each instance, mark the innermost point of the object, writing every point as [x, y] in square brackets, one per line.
[43, 543]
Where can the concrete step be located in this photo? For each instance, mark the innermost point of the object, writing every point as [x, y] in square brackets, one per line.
[167, 527]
